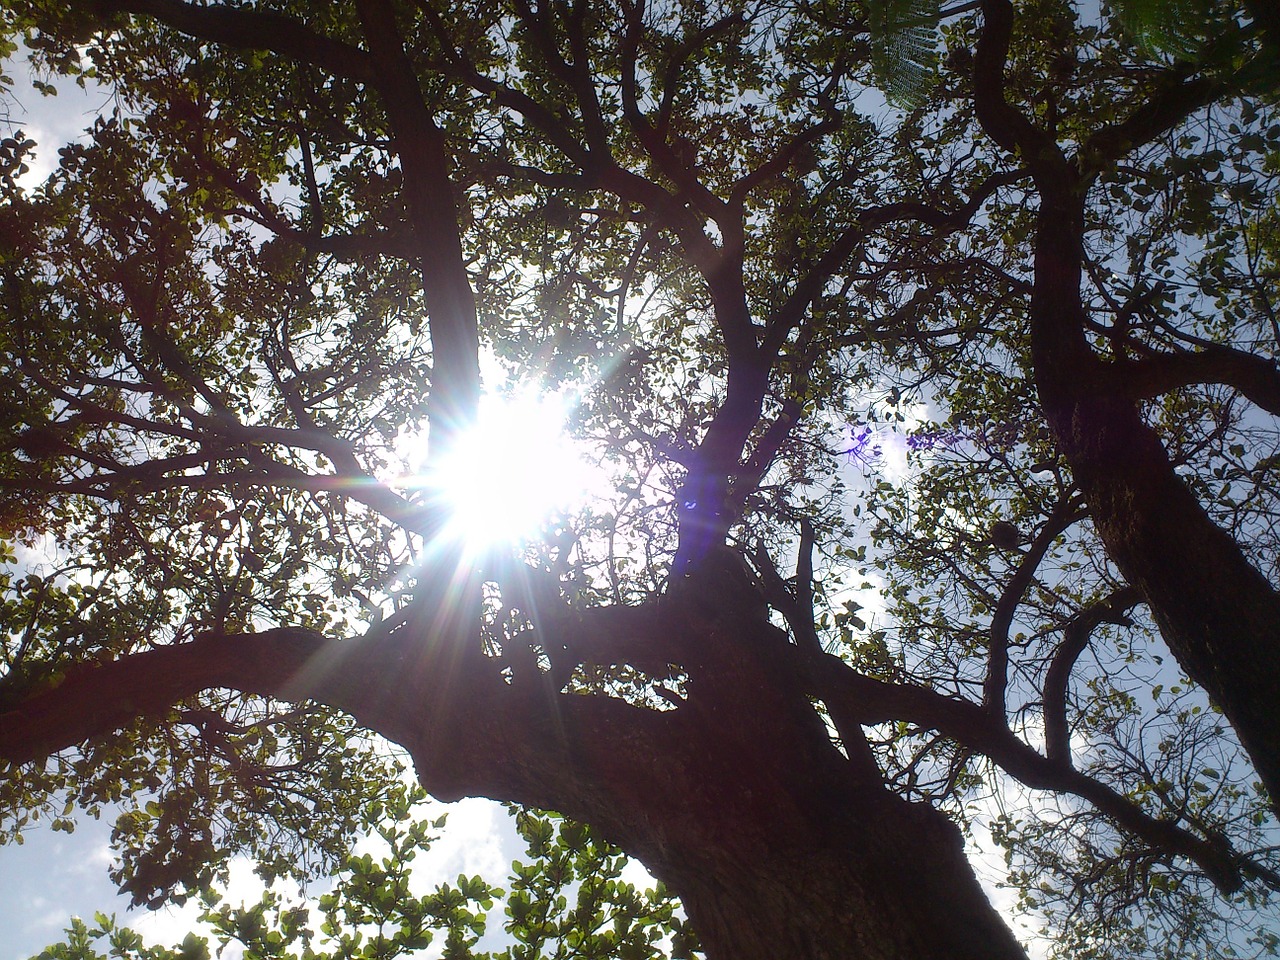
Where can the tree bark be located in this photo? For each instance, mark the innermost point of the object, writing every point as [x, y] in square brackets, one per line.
[881, 878]
[837, 892]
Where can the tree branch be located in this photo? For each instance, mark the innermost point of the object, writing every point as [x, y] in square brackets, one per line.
[784, 319]
[796, 606]
[1065, 512]
[875, 701]
[1255, 377]
[1057, 732]
[1176, 96]
[424, 160]
[1002, 122]
[680, 170]
[253, 29]
[93, 699]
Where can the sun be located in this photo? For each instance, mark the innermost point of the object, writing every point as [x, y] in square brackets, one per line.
[512, 473]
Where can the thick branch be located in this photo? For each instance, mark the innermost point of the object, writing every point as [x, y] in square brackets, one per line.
[254, 29]
[633, 635]
[400, 687]
[95, 699]
[1174, 99]
[804, 573]
[424, 160]
[680, 170]
[1255, 377]
[766, 449]
[1002, 122]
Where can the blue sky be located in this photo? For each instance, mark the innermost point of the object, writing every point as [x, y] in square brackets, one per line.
[46, 880]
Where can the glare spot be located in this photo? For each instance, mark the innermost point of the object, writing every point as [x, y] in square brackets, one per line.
[514, 472]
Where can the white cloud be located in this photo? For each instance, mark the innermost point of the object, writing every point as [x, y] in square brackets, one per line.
[166, 926]
[474, 841]
[50, 121]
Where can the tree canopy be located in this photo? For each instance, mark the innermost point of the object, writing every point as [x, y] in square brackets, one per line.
[926, 358]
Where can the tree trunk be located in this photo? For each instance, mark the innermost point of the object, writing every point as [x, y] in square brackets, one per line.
[881, 879]
[1217, 613]
[778, 844]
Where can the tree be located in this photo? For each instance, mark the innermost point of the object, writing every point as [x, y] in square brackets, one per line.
[281, 253]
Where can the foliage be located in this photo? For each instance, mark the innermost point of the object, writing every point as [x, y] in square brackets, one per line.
[568, 901]
[904, 40]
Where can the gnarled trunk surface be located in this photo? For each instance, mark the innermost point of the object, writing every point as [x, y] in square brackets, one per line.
[881, 879]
